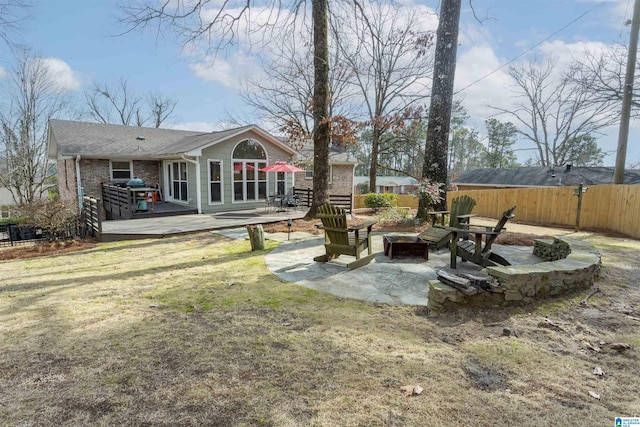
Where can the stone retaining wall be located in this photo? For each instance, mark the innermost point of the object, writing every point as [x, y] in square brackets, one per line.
[525, 283]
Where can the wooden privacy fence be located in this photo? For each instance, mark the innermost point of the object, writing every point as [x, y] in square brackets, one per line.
[404, 200]
[609, 207]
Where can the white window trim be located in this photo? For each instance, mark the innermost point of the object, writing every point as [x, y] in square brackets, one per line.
[312, 173]
[221, 202]
[254, 163]
[186, 169]
[120, 179]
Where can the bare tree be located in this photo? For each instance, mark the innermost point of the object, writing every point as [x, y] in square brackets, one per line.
[217, 24]
[12, 14]
[119, 104]
[284, 92]
[436, 146]
[390, 64]
[602, 76]
[554, 113]
[31, 97]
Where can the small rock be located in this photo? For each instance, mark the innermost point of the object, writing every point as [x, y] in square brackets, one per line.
[412, 390]
[594, 395]
[619, 346]
[588, 346]
[598, 371]
[153, 306]
[506, 331]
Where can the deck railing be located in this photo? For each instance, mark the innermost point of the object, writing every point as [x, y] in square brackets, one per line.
[345, 201]
[92, 216]
[117, 202]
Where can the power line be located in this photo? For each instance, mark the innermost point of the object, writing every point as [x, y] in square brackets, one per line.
[529, 49]
[624, 19]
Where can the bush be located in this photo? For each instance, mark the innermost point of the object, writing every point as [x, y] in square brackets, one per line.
[56, 218]
[393, 215]
[381, 200]
[10, 220]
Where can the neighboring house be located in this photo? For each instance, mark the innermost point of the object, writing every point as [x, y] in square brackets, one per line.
[207, 171]
[482, 179]
[341, 169]
[6, 203]
[390, 184]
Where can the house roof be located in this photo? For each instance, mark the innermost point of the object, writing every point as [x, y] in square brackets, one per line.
[544, 176]
[337, 154]
[98, 140]
[387, 181]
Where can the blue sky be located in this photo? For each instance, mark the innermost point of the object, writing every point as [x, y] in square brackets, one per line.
[79, 35]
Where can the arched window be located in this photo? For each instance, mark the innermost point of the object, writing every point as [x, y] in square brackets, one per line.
[250, 150]
[249, 184]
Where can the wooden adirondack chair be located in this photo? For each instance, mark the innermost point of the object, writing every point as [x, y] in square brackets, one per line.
[340, 239]
[473, 250]
[438, 236]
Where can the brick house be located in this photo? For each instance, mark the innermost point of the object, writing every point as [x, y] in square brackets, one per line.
[341, 169]
[207, 171]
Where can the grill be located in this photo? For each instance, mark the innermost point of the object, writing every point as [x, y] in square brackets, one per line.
[135, 183]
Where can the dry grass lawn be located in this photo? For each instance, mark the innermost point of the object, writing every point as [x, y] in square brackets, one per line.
[194, 330]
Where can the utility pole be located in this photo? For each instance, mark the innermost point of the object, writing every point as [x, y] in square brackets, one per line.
[623, 136]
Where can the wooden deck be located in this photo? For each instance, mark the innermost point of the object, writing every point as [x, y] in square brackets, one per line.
[158, 226]
[161, 209]
[123, 203]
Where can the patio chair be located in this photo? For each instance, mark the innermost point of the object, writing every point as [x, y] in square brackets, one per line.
[340, 239]
[473, 250]
[438, 236]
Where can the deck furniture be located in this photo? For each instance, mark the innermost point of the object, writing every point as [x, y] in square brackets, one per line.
[405, 245]
[438, 236]
[340, 239]
[474, 250]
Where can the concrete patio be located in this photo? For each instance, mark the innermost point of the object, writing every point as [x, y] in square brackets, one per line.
[392, 281]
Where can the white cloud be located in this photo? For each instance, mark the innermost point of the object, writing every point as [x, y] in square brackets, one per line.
[64, 78]
[474, 64]
[229, 73]
[3, 73]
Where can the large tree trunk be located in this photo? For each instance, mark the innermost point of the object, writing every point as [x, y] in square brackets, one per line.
[321, 132]
[437, 143]
[375, 153]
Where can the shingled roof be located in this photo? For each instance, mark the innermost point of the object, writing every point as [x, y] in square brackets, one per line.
[544, 176]
[98, 140]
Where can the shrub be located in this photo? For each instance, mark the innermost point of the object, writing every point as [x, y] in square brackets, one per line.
[10, 220]
[56, 218]
[394, 215]
[381, 200]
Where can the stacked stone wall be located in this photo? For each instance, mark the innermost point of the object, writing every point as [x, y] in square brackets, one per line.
[518, 284]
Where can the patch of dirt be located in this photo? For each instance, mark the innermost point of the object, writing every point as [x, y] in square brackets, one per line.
[45, 249]
[484, 377]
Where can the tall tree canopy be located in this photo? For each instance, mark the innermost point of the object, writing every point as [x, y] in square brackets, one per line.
[501, 137]
[390, 62]
[31, 96]
[554, 113]
[119, 104]
[217, 24]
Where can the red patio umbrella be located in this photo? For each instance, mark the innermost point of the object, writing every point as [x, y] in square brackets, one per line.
[281, 167]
